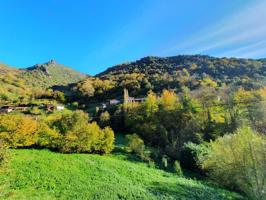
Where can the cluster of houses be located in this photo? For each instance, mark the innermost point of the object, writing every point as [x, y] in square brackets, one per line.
[110, 102]
[8, 109]
[51, 107]
[23, 108]
[127, 99]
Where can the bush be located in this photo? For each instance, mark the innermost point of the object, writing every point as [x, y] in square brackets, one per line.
[35, 111]
[67, 133]
[104, 119]
[75, 104]
[3, 155]
[77, 135]
[18, 130]
[136, 146]
[190, 154]
[178, 168]
[238, 161]
[47, 137]
[108, 140]
[165, 161]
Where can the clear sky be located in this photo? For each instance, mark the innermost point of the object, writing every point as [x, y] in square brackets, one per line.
[91, 35]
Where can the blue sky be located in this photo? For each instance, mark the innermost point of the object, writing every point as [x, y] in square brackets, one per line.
[91, 35]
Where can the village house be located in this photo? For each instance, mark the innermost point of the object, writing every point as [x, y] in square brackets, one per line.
[51, 107]
[114, 101]
[132, 100]
[22, 108]
[6, 109]
[127, 99]
[60, 107]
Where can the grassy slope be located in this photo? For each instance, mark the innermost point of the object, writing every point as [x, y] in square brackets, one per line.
[41, 174]
[58, 75]
[7, 69]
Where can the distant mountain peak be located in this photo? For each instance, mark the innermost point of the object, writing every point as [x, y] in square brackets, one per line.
[51, 62]
[51, 73]
[44, 66]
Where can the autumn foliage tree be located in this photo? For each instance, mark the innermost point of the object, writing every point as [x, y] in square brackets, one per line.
[166, 121]
[18, 130]
[66, 132]
[77, 135]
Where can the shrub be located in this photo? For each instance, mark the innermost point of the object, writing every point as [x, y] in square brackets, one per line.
[59, 96]
[104, 119]
[70, 122]
[67, 133]
[190, 154]
[77, 135]
[136, 146]
[151, 164]
[35, 111]
[178, 168]
[18, 130]
[238, 161]
[108, 140]
[165, 161]
[47, 137]
[3, 155]
[75, 104]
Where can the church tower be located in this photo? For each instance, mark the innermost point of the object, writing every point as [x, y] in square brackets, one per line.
[126, 96]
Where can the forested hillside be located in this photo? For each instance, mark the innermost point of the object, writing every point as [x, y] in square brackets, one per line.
[175, 73]
[224, 69]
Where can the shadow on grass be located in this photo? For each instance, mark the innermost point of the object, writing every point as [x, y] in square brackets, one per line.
[122, 153]
[186, 189]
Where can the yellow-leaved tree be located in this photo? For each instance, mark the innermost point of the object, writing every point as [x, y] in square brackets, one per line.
[18, 130]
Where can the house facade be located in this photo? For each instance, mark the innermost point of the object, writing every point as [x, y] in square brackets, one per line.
[6, 109]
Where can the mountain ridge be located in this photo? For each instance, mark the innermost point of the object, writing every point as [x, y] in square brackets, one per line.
[45, 75]
[152, 68]
[178, 59]
[174, 73]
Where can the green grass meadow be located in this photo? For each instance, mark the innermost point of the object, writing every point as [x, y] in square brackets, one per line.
[42, 174]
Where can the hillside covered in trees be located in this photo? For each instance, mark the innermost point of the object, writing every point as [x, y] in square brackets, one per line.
[195, 64]
[174, 73]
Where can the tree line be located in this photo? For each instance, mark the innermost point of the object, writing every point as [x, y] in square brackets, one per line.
[67, 133]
